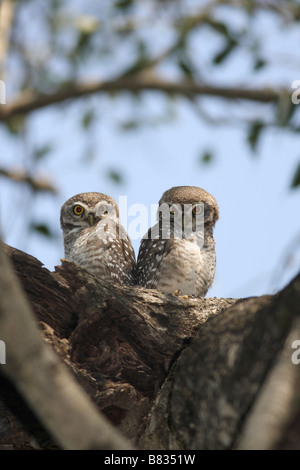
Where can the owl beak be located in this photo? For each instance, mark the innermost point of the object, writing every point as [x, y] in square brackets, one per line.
[91, 219]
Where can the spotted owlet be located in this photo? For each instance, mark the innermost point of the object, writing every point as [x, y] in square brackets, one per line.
[94, 237]
[178, 253]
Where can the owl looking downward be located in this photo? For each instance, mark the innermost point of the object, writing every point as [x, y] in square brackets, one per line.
[94, 237]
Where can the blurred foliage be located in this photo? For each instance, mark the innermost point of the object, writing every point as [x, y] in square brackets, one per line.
[80, 41]
[254, 134]
[115, 176]
[41, 152]
[296, 178]
[42, 229]
[207, 157]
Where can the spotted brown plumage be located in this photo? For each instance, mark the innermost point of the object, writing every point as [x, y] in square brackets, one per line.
[95, 239]
[178, 252]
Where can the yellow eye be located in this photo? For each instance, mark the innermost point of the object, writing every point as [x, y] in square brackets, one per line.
[197, 210]
[102, 209]
[172, 210]
[78, 210]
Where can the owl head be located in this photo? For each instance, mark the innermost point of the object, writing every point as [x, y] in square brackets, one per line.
[86, 210]
[188, 207]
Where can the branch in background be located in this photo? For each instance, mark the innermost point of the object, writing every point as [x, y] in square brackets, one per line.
[41, 185]
[7, 9]
[285, 8]
[43, 380]
[26, 103]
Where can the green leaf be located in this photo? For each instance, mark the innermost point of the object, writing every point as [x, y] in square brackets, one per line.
[259, 64]
[115, 176]
[140, 62]
[122, 4]
[206, 157]
[83, 43]
[42, 229]
[16, 124]
[296, 178]
[186, 67]
[254, 134]
[87, 119]
[41, 152]
[129, 125]
[224, 53]
[285, 108]
[219, 27]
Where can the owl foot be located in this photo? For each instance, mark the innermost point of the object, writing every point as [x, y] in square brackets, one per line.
[179, 293]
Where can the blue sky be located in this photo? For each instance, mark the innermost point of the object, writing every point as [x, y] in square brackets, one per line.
[259, 214]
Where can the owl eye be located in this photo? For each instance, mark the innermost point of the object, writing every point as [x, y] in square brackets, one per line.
[78, 210]
[197, 210]
[102, 209]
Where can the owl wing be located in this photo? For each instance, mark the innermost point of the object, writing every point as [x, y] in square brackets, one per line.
[151, 253]
[128, 253]
[117, 253]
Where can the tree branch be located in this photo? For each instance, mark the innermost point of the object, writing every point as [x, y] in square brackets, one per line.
[7, 9]
[26, 103]
[43, 380]
[170, 373]
[118, 341]
[36, 184]
[214, 386]
[277, 403]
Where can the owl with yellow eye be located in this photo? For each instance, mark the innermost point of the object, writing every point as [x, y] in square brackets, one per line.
[177, 254]
[95, 239]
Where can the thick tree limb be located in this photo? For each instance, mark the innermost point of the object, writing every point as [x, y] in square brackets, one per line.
[43, 380]
[26, 102]
[277, 403]
[170, 373]
[214, 383]
[119, 342]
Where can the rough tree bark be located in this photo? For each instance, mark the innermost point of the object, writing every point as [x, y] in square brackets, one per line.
[168, 372]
